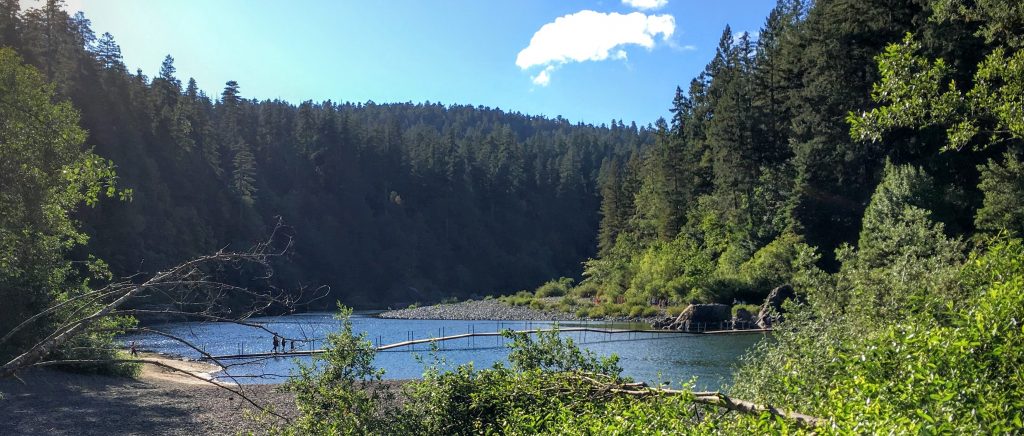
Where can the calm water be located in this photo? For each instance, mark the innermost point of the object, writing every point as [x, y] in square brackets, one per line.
[650, 357]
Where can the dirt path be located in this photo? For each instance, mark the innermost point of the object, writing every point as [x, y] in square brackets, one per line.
[159, 402]
[199, 370]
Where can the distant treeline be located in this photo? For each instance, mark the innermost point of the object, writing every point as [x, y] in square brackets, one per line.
[389, 202]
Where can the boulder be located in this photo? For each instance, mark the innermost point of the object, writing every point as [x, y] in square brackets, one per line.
[697, 315]
[663, 323]
[771, 311]
[743, 319]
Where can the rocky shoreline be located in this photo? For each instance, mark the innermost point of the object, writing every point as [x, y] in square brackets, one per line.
[497, 311]
[694, 316]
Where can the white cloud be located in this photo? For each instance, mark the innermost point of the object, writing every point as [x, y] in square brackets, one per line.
[645, 4]
[591, 36]
[543, 78]
[688, 47]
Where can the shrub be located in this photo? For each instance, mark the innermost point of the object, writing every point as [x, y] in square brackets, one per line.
[650, 311]
[596, 312]
[636, 311]
[772, 265]
[752, 308]
[555, 288]
[668, 269]
[699, 296]
[944, 366]
[612, 309]
[674, 311]
[586, 289]
[340, 392]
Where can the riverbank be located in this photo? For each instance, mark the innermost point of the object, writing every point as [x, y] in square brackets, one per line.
[496, 310]
[159, 401]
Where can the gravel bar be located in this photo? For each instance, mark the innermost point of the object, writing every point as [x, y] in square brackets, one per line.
[495, 310]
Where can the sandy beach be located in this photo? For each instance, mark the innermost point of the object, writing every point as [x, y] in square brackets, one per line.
[159, 402]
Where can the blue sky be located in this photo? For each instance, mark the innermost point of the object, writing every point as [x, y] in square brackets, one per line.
[585, 66]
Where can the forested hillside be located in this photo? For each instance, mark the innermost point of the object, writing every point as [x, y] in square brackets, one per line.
[758, 157]
[388, 202]
[866, 152]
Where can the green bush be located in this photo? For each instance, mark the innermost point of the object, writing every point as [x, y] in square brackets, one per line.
[772, 265]
[340, 392]
[943, 367]
[752, 308]
[674, 311]
[672, 269]
[521, 298]
[587, 289]
[699, 296]
[555, 288]
[650, 311]
[636, 311]
[614, 309]
[596, 312]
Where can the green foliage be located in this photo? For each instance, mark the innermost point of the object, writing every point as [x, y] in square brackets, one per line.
[752, 308]
[672, 269]
[899, 216]
[772, 265]
[340, 392]
[636, 311]
[674, 311]
[449, 300]
[550, 387]
[944, 366]
[554, 288]
[1003, 186]
[587, 289]
[904, 259]
[917, 92]
[521, 298]
[541, 393]
[47, 174]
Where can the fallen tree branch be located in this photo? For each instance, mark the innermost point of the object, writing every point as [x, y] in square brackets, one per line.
[712, 398]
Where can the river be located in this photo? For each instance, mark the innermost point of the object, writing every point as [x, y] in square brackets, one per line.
[652, 357]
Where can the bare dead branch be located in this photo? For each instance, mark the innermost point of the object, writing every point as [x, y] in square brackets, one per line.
[716, 399]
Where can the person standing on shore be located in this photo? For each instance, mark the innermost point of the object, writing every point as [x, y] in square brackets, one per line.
[133, 350]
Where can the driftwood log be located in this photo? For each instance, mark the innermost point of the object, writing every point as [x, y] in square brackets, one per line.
[714, 398]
